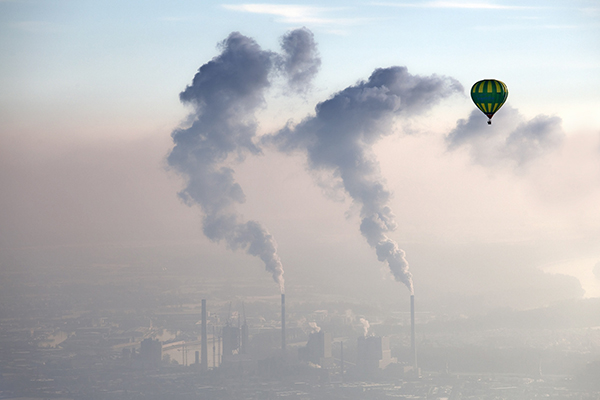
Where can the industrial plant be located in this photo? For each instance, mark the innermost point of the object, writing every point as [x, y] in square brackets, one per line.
[189, 340]
[232, 348]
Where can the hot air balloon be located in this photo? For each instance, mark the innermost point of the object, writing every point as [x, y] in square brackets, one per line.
[489, 95]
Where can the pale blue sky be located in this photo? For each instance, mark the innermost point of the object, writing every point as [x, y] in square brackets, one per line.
[89, 97]
[116, 52]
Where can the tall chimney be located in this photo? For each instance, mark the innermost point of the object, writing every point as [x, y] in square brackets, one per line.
[244, 346]
[413, 346]
[214, 349]
[342, 360]
[204, 359]
[283, 324]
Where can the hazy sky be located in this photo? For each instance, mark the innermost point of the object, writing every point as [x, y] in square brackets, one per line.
[89, 99]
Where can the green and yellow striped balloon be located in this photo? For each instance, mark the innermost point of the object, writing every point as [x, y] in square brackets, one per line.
[489, 95]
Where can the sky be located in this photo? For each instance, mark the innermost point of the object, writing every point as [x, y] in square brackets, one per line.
[95, 168]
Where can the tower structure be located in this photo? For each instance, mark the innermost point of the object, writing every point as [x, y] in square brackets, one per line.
[204, 339]
[283, 324]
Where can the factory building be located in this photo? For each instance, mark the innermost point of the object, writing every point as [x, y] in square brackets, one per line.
[150, 354]
[317, 349]
[231, 340]
[373, 353]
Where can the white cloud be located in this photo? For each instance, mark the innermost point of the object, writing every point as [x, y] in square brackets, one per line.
[449, 4]
[529, 26]
[295, 14]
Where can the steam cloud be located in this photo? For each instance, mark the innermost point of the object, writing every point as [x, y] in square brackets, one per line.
[511, 139]
[314, 328]
[225, 94]
[339, 139]
[365, 325]
[301, 60]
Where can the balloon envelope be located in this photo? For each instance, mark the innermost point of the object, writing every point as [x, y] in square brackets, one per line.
[489, 95]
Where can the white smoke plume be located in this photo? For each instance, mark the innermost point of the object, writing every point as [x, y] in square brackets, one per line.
[511, 139]
[225, 94]
[365, 325]
[339, 139]
[314, 328]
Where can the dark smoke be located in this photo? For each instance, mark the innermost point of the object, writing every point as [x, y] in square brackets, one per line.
[510, 138]
[339, 138]
[225, 94]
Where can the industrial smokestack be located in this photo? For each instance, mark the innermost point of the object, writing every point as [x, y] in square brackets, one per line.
[204, 359]
[283, 324]
[244, 346]
[413, 345]
[342, 361]
[214, 349]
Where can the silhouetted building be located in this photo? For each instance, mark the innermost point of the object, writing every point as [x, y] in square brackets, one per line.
[231, 341]
[373, 352]
[317, 349]
[150, 353]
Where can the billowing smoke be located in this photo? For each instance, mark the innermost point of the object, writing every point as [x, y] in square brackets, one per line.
[314, 328]
[225, 94]
[510, 139]
[301, 60]
[365, 324]
[308, 327]
[339, 139]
